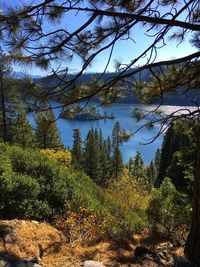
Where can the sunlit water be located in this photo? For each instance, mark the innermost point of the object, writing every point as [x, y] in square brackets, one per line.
[123, 114]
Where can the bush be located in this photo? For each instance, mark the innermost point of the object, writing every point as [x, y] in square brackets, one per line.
[169, 210]
[127, 202]
[62, 157]
[82, 227]
[32, 185]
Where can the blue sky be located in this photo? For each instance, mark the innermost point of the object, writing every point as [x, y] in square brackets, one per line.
[124, 51]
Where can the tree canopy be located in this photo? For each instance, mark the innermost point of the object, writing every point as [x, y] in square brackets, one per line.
[40, 34]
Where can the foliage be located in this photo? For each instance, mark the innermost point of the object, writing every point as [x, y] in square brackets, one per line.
[77, 157]
[82, 227]
[137, 168]
[170, 210]
[177, 155]
[9, 99]
[47, 133]
[116, 153]
[34, 186]
[127, 202]
[62, 157]
[23, 133]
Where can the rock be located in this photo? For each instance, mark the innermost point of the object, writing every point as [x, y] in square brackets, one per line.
[141, 251]
[7, 260]
[182, 262]
[35, 262]
[165, 245]
[7, 233]
[91, 263]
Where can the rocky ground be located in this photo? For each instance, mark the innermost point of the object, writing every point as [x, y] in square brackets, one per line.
[34, 244]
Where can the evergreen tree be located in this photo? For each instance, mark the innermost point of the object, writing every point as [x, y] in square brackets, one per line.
[177, 140]
[91, 155]
[47, 133]
[151, 173]
[77, 155]
[157, 159]
[23, 133]
[104, 164]
[108, 147]
[130, 164]
[8, 99]
[138, 171]
[116, 154]
[166, 153]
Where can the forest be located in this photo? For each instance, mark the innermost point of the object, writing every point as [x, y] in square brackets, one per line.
[139, 51]
[88, 192]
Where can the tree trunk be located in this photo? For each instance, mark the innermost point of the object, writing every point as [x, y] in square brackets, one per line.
[192, 248]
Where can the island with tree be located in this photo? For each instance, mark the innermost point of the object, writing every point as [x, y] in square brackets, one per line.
[88, 113]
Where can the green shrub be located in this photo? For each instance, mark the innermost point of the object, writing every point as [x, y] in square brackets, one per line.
[34, 186]
[127, 202]
[170, 210]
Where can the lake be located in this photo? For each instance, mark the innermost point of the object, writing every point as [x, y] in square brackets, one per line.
[123, 114]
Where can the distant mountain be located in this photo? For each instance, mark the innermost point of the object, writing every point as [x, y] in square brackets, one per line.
[22, 75]
[180, 98]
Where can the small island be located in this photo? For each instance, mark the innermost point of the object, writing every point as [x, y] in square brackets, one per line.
[125, 135]
[91, 113]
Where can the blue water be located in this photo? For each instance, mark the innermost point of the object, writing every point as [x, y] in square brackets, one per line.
[123, 114]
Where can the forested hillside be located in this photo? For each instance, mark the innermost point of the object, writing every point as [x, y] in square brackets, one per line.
[180, 97]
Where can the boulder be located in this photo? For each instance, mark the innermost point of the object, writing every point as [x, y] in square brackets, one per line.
[7, 260]
[91, 263]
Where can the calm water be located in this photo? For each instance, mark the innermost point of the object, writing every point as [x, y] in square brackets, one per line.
[123, 113]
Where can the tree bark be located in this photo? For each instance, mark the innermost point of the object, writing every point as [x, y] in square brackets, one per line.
[192, 248]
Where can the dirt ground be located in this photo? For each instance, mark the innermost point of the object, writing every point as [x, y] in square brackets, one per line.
[26, 239]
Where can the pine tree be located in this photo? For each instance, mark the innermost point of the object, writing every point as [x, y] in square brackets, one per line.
[157, 159]
[77, 155]
[138, 171]
[151, 173]
[108, 147]
[175, 141]
[91, 155]
[8, 99]
[104, 164]
[23, 132]
[130, 164]
[47, 133]
[116, 154]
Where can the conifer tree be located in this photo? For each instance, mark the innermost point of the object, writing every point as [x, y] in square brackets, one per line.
[116, 154]
[130, 164]
[8, 99]
[77, 155]
[151, 173]
[23, 132]
[157, 159]
[108, 147]
[91, 155]
[138, 168]
[47, 133]
[104, 165]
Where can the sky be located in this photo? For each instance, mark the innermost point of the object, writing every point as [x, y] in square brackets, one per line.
[124, 51]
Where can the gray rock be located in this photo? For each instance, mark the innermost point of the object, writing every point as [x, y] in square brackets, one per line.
[7, 260]
[7, 234]
[91, 263]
